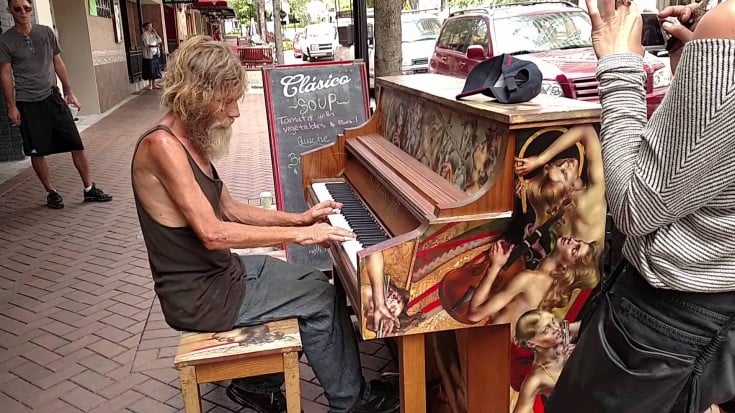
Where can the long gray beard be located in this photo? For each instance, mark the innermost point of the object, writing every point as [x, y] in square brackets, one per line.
[214, 141]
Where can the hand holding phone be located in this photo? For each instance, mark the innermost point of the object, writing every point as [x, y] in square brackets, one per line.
[653, 36]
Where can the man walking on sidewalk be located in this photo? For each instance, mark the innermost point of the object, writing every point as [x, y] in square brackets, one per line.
[30, 59]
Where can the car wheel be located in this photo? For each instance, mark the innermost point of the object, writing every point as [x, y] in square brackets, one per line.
[304, 58]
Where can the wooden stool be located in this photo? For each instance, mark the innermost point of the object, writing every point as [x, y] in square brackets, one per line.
[242, 352]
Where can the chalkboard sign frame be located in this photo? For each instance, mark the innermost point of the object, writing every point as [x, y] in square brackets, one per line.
[272, 131]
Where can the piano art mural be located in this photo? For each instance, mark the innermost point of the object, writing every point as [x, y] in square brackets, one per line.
[483, 212]
[489, 271]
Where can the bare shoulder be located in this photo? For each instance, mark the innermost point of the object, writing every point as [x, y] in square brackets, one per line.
[717, 23]
[160, 147]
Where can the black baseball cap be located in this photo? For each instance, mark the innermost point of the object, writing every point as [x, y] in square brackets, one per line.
[505, 78]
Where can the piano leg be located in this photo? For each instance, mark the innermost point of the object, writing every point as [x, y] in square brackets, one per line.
[488, 368]
[412, 366]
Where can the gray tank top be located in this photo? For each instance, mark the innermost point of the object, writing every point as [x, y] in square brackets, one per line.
[199, 289]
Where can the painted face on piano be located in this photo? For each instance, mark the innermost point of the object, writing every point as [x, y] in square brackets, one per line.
[394, 302]
[571, 250]
[566, 172]
[539, 328]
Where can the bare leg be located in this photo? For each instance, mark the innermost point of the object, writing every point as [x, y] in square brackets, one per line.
[41, 167]
[82, 165]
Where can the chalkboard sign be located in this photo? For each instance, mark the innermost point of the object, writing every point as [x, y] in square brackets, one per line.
[308, 106]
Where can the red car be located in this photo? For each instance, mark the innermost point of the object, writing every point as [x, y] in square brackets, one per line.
[554, 35]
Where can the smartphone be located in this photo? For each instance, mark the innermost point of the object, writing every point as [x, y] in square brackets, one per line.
[653, 36]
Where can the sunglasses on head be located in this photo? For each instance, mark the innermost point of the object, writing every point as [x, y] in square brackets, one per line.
[19, 9]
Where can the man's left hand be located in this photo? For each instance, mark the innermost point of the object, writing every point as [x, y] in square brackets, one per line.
[72, 100]
[320, 210]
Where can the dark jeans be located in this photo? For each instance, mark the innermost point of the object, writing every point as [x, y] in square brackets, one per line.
[648, 350]
[276, 290]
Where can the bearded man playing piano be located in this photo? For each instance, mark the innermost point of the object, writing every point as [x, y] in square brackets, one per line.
[190, 221]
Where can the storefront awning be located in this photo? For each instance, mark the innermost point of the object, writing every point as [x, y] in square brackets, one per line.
[214, 8]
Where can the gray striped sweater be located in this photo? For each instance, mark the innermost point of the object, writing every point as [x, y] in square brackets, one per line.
[671, 180]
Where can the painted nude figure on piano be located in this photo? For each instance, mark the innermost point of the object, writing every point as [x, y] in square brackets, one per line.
[560, 179]
[385, 304]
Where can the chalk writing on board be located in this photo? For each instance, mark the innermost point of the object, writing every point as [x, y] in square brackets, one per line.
[308, 106]
[300, 83]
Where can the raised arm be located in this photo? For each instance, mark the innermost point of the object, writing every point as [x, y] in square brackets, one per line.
[374, 265]
[488, 305]
[587, 136]
[482, 305]
[683, 158]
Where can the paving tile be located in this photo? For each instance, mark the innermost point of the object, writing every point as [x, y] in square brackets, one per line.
[56, 406]
[119, 403]
[92, 381]
[12, 406]
[83, 399]
[149, 405]
[156, 390]
[31, 372]
[99, 364]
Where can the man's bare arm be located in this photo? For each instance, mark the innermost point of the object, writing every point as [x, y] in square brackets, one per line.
[6, 78]
[62, 73]
[167, 161]
[236, 211]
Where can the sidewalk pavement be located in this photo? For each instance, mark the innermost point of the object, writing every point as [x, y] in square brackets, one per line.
[80, 329]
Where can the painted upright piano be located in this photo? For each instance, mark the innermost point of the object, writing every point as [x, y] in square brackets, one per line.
[429, 185]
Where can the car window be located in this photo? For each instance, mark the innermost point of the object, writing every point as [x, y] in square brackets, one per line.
[479, 33]
[543, 31]
[420, 29]
[455, 35]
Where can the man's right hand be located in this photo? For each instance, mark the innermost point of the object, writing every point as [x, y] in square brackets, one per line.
[321, 233]
[14, 115]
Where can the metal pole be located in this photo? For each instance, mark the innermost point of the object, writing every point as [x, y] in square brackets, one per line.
[359, 19]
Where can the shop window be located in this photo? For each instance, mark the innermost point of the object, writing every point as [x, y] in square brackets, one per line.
[101, 8]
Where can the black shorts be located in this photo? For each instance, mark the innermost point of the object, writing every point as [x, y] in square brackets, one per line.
[47, 127]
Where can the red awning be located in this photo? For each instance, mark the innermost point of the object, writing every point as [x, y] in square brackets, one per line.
[210, 3]
[216, 8]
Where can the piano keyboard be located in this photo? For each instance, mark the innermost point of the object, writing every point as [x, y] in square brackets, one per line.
[353, 216]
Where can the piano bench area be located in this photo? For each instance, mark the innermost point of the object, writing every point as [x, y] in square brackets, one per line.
[243, 352]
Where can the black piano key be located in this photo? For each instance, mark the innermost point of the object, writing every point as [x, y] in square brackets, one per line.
[363, 224]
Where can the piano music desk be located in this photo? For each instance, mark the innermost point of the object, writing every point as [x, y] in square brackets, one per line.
[435, 176]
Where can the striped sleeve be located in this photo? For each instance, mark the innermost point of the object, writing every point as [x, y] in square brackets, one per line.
[660, 171]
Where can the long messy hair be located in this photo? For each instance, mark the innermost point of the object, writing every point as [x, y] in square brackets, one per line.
[203, 76]
[583, 274]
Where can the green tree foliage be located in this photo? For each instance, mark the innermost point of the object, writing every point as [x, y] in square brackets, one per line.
[243, 10]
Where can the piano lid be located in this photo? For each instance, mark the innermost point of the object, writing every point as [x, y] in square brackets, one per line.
[444, 89]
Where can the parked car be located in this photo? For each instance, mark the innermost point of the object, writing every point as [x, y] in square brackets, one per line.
[297, 46]
[319, 40]
[554, 35]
